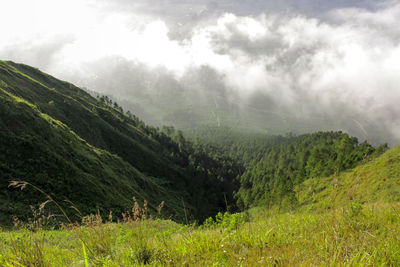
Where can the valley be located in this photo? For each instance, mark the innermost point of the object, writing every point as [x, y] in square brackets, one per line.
[102, 187]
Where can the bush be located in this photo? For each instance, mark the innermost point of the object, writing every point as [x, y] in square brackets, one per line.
[226, 220]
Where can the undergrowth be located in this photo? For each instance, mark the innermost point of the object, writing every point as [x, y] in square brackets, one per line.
[355, 234]
[359, 235]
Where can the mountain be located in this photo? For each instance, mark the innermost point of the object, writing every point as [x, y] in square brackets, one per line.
[88, 151]
[79, 148]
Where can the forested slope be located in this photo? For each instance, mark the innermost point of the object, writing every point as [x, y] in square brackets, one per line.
[274, 165]
[89, 151]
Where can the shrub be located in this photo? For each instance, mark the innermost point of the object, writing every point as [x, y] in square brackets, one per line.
[226, 220]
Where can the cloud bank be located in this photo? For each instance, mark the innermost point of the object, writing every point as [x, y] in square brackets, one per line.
[340, 66]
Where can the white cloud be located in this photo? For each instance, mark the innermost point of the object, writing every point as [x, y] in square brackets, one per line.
[305, 65]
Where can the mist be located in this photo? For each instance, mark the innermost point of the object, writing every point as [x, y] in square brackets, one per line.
[291, 66]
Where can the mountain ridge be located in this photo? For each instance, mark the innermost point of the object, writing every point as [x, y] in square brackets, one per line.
[115, 151]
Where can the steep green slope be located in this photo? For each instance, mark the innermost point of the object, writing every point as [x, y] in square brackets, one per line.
[378, 180]
[77, 147]
[36, 148]
[98, 125]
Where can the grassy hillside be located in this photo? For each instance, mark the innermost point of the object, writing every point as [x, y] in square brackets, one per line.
[80, 148]
[268, 239]
[361, 229]
[45, 152]
[378, 180]
[99, 125]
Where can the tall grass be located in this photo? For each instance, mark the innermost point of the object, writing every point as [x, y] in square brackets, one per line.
[352, 235]
[361, 236]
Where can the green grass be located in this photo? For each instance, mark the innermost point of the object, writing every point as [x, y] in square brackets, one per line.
[366, 236]
[375, 181]
[340, 222]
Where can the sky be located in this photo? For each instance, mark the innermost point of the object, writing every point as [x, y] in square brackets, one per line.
[302, 58]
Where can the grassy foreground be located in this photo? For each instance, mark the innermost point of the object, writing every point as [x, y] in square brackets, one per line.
[356, 235]
[349, 219]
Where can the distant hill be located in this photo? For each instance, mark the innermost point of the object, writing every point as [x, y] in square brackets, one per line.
[87, 150]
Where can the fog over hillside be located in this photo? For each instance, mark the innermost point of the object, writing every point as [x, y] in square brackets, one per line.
[271, 66]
